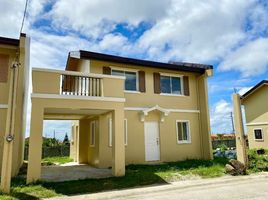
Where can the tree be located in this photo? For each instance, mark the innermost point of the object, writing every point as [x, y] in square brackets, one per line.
[66, 139]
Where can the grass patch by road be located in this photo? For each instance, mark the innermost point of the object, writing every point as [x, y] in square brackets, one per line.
[136, 175]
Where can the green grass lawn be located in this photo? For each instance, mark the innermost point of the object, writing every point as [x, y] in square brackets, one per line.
[136, 175]
[57, 160]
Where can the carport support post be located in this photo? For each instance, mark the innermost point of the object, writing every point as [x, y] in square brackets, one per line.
[239, 131]
[118, 152]
[35, 144]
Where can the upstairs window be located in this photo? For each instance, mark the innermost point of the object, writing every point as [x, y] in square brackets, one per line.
[183, 132]
[131, 83]
[258, 134]
[170, 85]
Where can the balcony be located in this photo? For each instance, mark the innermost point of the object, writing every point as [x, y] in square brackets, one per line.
[78, 84]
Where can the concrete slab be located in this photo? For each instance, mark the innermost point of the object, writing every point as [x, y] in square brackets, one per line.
[72, 171]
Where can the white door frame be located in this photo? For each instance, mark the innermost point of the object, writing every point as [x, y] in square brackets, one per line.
[155, 154]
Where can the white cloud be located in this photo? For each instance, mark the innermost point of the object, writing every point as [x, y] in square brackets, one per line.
[11, 13]
[250, 59]
[97, 17]
[197, 31]
[221, 117]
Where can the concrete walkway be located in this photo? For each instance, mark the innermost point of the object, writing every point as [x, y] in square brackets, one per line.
[252, 187]
[72, 171]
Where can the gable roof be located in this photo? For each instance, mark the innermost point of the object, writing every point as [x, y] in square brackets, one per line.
[256, 87]
[179, 66]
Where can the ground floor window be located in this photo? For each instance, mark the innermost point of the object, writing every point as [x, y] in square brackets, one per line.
[183, 131]
[110, 130]
[258, 134]
[92, 133]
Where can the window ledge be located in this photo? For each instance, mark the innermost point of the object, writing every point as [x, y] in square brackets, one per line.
[173, 95]
[259, 140]
[129, 91]
[184, 142]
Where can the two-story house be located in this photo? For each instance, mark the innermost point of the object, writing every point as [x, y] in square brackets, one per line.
[256, 112]
[127, 111]
[14, 70]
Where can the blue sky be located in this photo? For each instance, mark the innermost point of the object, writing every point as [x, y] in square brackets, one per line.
[232, 35]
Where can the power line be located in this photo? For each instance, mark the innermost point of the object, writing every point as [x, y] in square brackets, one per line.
[24, 15]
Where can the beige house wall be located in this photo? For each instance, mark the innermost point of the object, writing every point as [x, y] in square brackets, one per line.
[170, 150]
[256, 112]
[148, 98]
[21, 101]
[200, 146]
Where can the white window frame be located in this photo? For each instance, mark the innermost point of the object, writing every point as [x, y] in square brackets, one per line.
[188, 132]
[170, 76]
[255, 135]
[110, 132]
[128, 70]
[91, 141]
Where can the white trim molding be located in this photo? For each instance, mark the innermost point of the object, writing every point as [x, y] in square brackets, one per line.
[145, 112]
[257, 124]
[166, 109]
[3, 106]
[75, 97]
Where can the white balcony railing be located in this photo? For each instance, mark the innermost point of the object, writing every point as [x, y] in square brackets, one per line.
[81, 85]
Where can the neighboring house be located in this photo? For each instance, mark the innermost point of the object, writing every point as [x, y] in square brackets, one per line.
[255, 102]
[127, 111]
[14, 70]
[222, 137]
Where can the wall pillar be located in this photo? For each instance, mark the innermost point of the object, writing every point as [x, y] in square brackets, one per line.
[239, 130]
[205, 132]
[35, 144]
[118, 146]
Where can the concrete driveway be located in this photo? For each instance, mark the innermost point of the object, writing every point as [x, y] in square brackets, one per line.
[252, 187]
[72, 171]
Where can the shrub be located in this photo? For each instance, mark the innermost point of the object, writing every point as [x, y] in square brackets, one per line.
[222, 147]
[258, 161]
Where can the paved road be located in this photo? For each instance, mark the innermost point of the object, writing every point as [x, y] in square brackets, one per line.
[253, 188]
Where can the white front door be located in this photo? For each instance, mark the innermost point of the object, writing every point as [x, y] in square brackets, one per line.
[151, 132]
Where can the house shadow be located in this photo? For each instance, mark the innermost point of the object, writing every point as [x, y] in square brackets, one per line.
[132, 179]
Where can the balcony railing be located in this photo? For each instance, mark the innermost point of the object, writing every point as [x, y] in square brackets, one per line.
[70, 83]
[81, 85]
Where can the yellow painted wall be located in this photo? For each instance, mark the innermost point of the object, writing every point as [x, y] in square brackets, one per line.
[256, 106]
[256, 111]
[18, 147]
[170, 150]
[93, 151]
[3, 113]
[149, 98]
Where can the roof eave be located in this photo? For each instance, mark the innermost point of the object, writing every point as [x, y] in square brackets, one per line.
[153, 64]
